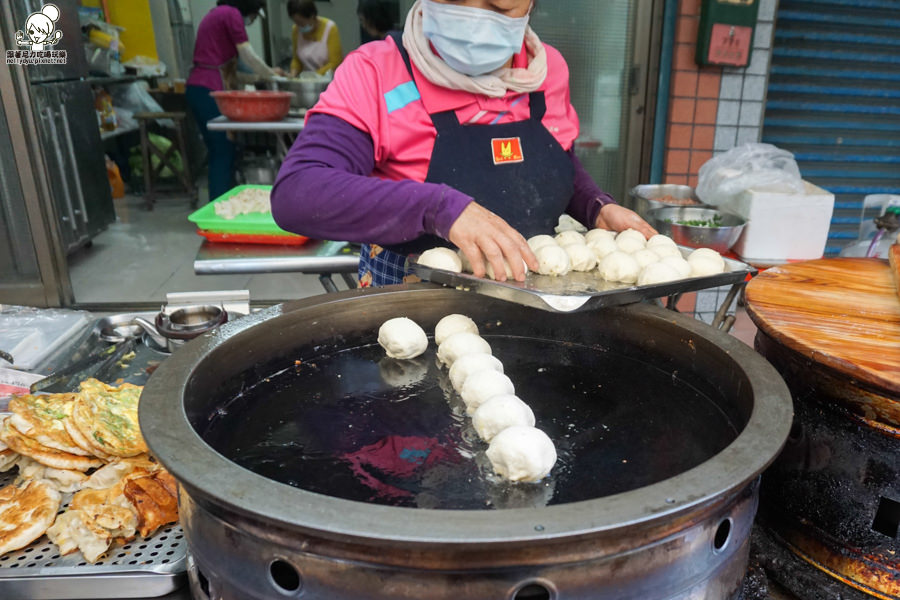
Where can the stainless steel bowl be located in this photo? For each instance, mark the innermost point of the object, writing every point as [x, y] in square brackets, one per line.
[720, 239]
[306, 91]
[646, 197]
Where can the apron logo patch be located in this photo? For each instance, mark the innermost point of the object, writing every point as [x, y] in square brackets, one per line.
[507, 150]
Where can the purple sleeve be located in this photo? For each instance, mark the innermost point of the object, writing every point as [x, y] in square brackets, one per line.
[325, 190]
[588, 198]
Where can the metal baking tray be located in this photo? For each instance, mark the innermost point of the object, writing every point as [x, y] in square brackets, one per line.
[582, 291]
[142, 568]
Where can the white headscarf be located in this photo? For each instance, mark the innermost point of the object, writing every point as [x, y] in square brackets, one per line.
[494, 85]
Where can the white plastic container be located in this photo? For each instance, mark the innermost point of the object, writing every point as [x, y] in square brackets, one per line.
[783, 227]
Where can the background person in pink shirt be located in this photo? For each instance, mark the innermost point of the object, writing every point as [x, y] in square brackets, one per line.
[462, 132]
[221, 39]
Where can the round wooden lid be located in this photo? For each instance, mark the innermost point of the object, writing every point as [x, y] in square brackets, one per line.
[840, 312]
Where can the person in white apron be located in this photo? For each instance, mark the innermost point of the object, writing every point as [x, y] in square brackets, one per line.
[316, 41]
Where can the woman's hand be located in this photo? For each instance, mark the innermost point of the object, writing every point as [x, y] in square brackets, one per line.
[280, 72]
[618, 218]
[481, 235]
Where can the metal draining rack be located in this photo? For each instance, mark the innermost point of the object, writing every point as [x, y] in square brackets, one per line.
[142, 568]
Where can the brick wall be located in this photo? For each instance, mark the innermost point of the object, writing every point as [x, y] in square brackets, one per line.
[713, 109]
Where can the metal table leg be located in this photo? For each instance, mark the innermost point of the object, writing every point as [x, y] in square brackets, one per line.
[328, 283]
[721, 321]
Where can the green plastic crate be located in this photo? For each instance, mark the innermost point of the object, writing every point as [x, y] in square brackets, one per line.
[254, 223]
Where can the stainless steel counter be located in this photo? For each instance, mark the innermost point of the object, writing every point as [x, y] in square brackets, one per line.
[318, 257]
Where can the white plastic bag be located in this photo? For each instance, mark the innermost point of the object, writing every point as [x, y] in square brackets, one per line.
[761, 167]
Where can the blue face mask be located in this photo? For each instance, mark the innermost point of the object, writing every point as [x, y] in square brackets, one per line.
[305, 28]
[471, 40]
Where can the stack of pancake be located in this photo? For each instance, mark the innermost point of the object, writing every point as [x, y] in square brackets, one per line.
[87, 444]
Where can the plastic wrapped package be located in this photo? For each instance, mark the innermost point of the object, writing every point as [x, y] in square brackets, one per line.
[31, 335]
[758, 167]
[136, 98]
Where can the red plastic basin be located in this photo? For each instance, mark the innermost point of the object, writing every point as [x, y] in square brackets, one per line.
[262, 105]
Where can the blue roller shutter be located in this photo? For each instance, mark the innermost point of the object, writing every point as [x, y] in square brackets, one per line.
[834, 100]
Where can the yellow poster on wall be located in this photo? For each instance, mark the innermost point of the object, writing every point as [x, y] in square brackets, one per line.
[134, 16]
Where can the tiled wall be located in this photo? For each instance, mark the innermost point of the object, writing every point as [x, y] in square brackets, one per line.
[713, 109]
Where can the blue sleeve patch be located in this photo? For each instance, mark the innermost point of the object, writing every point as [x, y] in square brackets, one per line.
[401, 95]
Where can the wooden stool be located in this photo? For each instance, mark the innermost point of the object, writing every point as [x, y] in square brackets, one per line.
[166, 157]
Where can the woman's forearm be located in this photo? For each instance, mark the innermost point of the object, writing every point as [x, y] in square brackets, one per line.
[325, 190]
[252, 60]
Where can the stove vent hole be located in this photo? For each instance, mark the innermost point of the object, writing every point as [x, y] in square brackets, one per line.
[284, 576]
[887, 518]
[723, 534]
[534, 591]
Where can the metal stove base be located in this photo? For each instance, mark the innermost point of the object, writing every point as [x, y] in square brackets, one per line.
[776, 573]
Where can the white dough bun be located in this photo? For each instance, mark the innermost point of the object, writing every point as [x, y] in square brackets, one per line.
[630, 241]
[539, 241]
[705, 265]
[460, 344]
[602, 246]
[402, 338]
[679, 264]
[552, 260]
[660, 240]
[645, 256]
[705, 253]
[596, 234]
[472, 363]
[658, 272]
[481, 386]
[451, 324]
[441, 258]
[581, 257]
[664, 250]
[501, 412]
[521, 453]
[569, 237]
[619, 266]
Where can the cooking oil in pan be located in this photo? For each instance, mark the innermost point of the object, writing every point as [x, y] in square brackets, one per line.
[360, 426]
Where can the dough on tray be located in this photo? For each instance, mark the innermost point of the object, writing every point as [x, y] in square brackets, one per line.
[460, 344]
[481, 386]
[602, 246]
[500, 412]
[660, 240]
[441, 258]
[402, 338]
[705, 261]
[677, 263]
[451, 324]
[581, 257]
[619, 266]
[645, 256]
[471, 363]
[569, 237]
[631, 240]
[664, 250]
[521, 453]
[539, 241]
[596, 234]
[658, 272]
[489, 269]
[552, 260]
